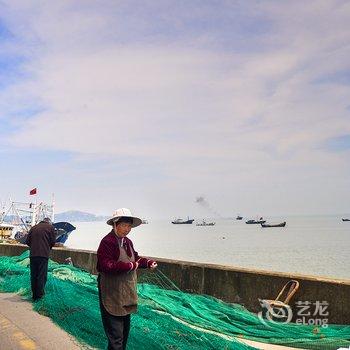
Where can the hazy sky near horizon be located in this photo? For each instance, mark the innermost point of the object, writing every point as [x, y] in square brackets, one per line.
[150, 104]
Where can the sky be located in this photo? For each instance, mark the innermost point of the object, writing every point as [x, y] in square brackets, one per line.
[152, 104]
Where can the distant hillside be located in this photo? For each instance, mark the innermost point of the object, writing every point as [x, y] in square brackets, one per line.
[76, 215]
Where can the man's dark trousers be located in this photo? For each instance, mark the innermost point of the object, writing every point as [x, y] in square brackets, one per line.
[38, 275]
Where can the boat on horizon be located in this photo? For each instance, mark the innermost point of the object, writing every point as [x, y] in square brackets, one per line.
[282, 224]
[346, 219]
[239, 217]
[260, 221]
[204, 223]
[180, 221]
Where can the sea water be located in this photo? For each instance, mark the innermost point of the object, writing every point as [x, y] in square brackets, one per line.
[317, 245]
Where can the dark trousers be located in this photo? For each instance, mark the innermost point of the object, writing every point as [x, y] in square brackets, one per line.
[116, 327]
[38, 275]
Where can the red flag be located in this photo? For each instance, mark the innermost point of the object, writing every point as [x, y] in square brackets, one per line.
[33, 191]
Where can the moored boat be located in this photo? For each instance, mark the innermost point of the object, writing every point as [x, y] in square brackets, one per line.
[18, 219]
[6, 230]
[62, 230]
[282, 224]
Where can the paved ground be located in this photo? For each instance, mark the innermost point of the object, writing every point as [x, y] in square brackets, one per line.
[263, 346]
[21, 328]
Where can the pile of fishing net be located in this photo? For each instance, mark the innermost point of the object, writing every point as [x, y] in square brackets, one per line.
[167, 318]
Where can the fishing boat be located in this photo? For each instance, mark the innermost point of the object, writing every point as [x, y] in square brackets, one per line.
[239, 217]
[6, 230]
[346, 219]
[20, 217]
[260, 221]
[204, 223]
[25, 215]
[282, 224]
[182, 222]
[62, 230]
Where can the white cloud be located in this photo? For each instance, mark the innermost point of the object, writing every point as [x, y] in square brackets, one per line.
[222, 115]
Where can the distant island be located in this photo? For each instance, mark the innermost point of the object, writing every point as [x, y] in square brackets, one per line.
[78, 216]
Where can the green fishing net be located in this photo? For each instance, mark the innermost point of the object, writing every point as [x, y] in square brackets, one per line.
[167, 318]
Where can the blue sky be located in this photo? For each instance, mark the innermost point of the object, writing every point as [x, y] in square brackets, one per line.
[151, 104]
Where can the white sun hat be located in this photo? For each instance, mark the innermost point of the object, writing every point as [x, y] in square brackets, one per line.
[124, 212]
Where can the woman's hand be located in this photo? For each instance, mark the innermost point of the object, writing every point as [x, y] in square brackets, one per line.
[153, 265]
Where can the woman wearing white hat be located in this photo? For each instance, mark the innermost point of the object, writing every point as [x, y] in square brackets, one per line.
[117, 262]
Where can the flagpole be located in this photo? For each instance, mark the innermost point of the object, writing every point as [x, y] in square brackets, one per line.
[35, 206]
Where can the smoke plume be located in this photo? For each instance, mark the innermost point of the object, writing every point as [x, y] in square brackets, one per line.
[204, 204]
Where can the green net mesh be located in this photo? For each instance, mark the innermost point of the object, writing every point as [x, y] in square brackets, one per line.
[167, 318]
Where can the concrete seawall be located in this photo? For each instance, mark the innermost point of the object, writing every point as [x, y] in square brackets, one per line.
[238, 285]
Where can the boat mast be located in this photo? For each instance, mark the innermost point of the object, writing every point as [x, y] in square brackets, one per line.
[5, 212]
[2, 214]
[53, 208]
[17, 213]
